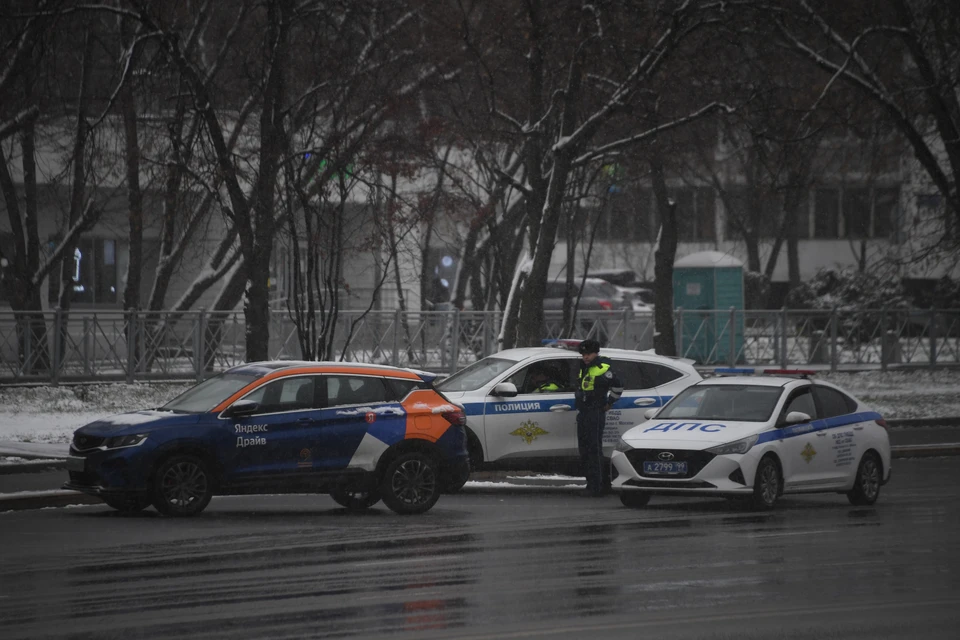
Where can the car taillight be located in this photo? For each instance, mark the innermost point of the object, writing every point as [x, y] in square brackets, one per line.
[457, 418]
[882, 423]
[606, 305]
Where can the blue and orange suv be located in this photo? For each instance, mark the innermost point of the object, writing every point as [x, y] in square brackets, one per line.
[360, 432]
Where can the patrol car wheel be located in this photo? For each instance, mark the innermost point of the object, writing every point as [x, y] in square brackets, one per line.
[866, 487]
[182, 486]
[411, 484]
[634, 499]
[354, 500]
[127, 504]
[766, 485]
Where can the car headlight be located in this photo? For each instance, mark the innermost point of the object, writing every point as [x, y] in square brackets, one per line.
[738, 446]
[124, 441]
[622, 446]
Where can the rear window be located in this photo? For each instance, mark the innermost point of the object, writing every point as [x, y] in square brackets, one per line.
[400, 388]
[832, 402]
[658, 374]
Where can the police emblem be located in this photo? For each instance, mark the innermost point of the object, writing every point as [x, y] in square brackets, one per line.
[808, 453]
[528, 431]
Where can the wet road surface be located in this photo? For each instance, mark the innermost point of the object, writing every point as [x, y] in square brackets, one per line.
[523, 564]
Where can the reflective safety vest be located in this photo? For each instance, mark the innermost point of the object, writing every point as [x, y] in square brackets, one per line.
[588, 381]
[599, 385]
[548, 386]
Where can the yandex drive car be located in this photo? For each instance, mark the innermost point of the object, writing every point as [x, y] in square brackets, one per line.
[520, 410]
[360, 432]
[753, 438]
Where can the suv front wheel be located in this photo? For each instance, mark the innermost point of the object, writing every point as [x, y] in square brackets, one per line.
[182, 486]
[411, 483]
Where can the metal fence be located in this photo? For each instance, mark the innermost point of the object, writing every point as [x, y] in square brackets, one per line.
[109, 345]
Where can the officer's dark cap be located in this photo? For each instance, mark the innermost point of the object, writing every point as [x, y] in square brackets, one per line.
[589, 346]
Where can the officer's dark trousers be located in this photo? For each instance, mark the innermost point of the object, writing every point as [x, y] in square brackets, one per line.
[590, 441]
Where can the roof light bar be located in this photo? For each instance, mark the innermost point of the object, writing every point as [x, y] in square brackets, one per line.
[790, 372]
[735, 371]
[751, 371]
[561, 343]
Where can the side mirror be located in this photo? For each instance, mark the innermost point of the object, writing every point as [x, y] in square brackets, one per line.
[796, 417]
[241, 408]
[649, 413]
[505, 390]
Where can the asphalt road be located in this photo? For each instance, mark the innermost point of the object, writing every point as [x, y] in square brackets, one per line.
[520, 564]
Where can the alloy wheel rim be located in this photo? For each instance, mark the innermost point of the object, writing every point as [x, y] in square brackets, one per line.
[769, 485]
[183, 484]
[414, 482]
[870, 478]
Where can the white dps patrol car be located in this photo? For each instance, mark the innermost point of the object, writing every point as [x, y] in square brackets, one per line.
[753, 438]
[520, 409]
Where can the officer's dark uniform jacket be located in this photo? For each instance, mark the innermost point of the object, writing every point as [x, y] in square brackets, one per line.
[598, 385]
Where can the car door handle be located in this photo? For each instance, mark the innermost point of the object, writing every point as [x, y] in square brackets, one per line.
[644, 402]
[560, 407]
[305, 419]
[821, 434]
[858, 428]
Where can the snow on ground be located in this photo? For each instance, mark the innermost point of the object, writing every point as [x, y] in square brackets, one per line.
[50, 414]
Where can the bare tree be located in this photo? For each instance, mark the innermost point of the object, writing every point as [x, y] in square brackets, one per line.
[918, 96]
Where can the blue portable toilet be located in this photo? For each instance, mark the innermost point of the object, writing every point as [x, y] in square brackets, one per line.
[705, 286]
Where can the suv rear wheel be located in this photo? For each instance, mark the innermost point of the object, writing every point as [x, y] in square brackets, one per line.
[411, 483]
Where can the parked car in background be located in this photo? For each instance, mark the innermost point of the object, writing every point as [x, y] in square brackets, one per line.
[634, 294]
[594, 295]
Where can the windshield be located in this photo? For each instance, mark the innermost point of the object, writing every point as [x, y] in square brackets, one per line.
[476, 375]
[740, 403]
[209, 393]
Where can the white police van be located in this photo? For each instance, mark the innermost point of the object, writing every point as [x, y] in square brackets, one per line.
[753, 438]
[520, 409]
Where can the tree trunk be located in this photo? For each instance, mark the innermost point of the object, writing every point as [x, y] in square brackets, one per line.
[664, 340]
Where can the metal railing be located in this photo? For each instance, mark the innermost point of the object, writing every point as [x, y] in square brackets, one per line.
[83, 345]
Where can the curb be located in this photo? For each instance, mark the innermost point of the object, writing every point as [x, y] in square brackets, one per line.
[44, 499]
[32, 467]
[898, 423]
[925, 450]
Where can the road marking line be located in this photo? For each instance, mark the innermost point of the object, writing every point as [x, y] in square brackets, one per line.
[791, 533]
[408, 560]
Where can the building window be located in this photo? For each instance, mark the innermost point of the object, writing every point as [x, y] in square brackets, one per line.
[696, 214]
[93, 267]
[886, 213]
[865, 212]
[6, 264]
[826, 215]
[765, 222]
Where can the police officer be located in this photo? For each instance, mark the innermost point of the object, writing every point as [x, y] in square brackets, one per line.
[542, 382]
[597, 390]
